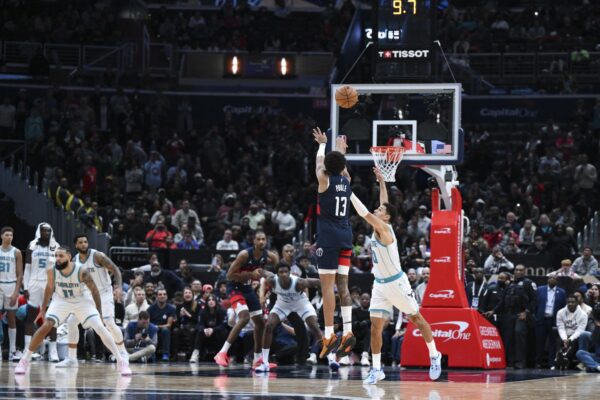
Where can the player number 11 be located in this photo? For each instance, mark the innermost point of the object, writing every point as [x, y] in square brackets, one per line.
[397, 5]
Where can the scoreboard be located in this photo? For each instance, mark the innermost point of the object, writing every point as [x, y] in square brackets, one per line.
[404, 45]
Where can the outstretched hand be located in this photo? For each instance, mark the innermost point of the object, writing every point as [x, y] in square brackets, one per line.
[378, 175]
[340, 144]
[319, 136]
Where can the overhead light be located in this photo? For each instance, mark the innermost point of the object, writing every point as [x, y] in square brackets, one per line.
[234, 67]
[283, 66]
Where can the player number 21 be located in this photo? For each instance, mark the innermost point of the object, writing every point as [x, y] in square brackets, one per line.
[340, 206]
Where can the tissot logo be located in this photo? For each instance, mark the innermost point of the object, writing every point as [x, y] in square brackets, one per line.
[442, 260]
[449, 330]
[442, 231]
[404, 54]
[442, 294]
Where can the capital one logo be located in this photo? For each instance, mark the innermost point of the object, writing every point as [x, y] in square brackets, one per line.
[442, 294]
[442, 260]
[449, 330]
[442, 231]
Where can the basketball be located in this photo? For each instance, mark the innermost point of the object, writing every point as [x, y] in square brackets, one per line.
[346, 97]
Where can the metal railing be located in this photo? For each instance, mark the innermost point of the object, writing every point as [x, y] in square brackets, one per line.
[532, 64]
[33, 205]
[589, 235]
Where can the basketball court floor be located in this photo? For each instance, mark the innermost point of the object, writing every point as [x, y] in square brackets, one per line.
[206, 381]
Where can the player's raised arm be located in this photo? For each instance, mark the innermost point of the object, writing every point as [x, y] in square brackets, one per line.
[234, 273]
[103, 260]
[322, 177]
[380, 227]
[86, 278]
[307, 283]
[342, 146]
[383, 194]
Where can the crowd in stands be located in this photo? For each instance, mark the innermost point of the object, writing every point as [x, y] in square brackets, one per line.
[243, 27]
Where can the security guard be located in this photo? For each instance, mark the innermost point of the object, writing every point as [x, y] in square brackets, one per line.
[515, 312]
[492, 296]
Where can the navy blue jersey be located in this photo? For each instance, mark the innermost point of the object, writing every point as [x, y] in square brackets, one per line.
[333, 226]
[251, 264]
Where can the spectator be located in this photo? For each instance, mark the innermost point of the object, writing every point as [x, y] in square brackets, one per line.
[286, 222]
[590, 360]
[496, 262]
[593, 295]
[566, 269]
[163, 314]
[7, 118]
[150, 290]
[550, 299]
[153, 169]
[188, 242]
[137, 281]
[420, 290]
[184, 329]
[227, 243]
[570, 322]
[183, 215]
[255, 217]
[538, 247]
[164, 278]
[527, 233]
[580, 296]
[133, 310]
[141, 229]
[184, 273]
[159, 237]
[140, 338]
[423, 221]
[196, 287]
[586, 264]
[211, 330]
[411, 274]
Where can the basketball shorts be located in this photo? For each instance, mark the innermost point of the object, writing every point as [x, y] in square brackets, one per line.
[36, 293]
[303, 308]
[108, 304]
[6, 290]
[83, 309]
[333, 260]
[393, 292]
[242, 298]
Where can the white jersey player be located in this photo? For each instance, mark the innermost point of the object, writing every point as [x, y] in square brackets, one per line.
[100, 267]
[39, 258]
[391, 286]
[290, 298]
[11, 277]
[73, 292]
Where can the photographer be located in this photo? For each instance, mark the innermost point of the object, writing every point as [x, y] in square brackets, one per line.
[496, 263]
[591, 360]
[159, 237]
[140, 338]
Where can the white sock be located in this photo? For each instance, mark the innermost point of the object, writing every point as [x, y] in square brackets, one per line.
[432, 349]
[27, 342]
[27, 355]
[376, 360]
[265, 355]
[225, 347]
[52, 347]
[12, 339]
[331, 357]
[257, 356]
[72, 353]
[347, 318]
[328, 331]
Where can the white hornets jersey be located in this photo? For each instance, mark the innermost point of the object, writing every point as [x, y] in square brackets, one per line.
[42, 259]
[386, 260]
[98, 273]
[8, 265]
[69, 287]
[289, 295]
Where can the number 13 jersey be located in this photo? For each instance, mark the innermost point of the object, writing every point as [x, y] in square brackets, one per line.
[333, 207]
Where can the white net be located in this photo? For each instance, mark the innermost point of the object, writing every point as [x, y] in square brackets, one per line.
[387, 158]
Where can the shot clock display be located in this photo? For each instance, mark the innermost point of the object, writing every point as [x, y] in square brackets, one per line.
[404, 44]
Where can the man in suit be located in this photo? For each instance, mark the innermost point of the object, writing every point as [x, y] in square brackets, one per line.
[550, 299]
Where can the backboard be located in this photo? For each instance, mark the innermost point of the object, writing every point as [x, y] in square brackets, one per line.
[427, 115]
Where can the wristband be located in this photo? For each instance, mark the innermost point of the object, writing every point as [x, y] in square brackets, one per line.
[321, 151]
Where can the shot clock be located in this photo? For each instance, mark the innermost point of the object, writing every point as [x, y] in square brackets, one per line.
[404, 44]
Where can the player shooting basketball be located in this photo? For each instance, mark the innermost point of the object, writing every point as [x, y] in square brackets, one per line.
[391, 286]
[334, 241]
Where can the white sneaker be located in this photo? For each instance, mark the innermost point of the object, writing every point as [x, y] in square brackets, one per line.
[264, 367]
[345, 361]
[312, 359]
[375, 375]
[194, 357]
[22, 367]
[15, 356]
[435, 370]
[364, 359]
[123, 368]
[67, 363]
[53, 353]
[36, 357]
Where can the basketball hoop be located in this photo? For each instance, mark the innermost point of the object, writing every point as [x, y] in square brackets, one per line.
[387, 158]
